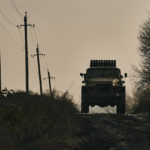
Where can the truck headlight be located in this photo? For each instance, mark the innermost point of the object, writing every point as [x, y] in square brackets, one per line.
[115, 82]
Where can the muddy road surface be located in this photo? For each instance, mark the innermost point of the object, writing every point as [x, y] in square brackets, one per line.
[116, 132]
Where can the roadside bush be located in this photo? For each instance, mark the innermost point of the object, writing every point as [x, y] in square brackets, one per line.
[38, 122]
[142, 102]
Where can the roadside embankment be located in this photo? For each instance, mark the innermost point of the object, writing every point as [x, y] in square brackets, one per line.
[38, 122]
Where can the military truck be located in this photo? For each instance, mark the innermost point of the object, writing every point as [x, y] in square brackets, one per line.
[103, 86]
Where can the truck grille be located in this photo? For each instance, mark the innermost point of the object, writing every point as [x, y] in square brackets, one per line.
[103, 88]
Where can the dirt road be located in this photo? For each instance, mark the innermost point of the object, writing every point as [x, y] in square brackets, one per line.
[116, 132]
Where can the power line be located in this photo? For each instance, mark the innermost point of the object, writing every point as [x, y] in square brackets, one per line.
[44, 68]
[34, 41]
[10, 36]
[33, 67]
[21, 36]
[32, 38]
[35, 33]
[46, 61]
[8, 20]
[16, 9]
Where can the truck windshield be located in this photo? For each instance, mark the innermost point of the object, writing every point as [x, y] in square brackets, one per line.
[103, 72]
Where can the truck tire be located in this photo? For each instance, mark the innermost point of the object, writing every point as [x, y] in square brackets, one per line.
[121, 105]
[84, 108]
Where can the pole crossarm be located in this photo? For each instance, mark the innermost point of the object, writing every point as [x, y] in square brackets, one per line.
[37, 54]
[47, 78]
[22, 25]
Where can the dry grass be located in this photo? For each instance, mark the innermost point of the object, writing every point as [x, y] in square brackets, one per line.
[38, 122]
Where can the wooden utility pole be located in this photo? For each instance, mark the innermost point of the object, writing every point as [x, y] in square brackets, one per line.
[39, 68]
[0, 76]
[49, 82]
[26, 51]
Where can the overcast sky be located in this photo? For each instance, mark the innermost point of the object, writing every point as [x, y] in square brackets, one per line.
[70, 33]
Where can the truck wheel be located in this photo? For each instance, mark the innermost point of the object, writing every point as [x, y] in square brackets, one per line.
[121, 105]
[84, 108]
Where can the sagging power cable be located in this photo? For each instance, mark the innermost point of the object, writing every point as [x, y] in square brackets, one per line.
[16, 9]
[8, 20]
[10, 36]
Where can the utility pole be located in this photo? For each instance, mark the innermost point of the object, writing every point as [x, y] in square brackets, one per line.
[49, 82]
[26, 51]
[39, 68]
[0, 76]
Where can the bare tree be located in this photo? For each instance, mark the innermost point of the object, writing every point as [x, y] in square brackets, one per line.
[143, 74]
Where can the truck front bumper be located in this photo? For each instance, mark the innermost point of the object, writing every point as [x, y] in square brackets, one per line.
[101, 99]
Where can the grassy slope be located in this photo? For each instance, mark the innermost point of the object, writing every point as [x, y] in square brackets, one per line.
[39, 122]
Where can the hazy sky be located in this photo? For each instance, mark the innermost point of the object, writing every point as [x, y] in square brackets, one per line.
[71, 33]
